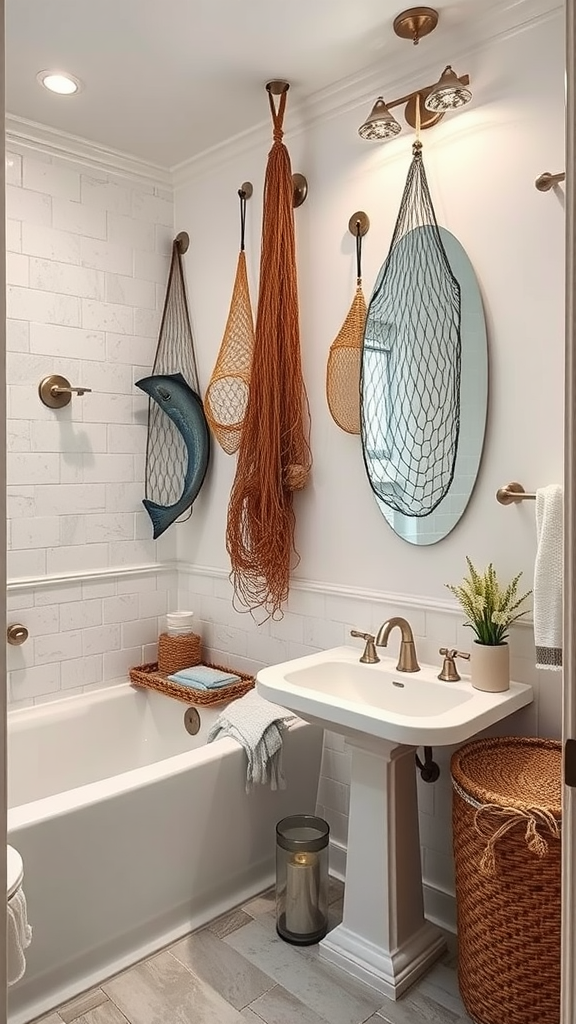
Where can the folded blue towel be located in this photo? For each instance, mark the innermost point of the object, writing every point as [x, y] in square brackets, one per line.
[202, 677]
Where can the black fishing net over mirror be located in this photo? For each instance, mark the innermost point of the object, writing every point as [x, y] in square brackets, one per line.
[411, 361]
[166, 454]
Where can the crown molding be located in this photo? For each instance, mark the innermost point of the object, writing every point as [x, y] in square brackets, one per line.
[23, 583]
[397, 73]
[91, 155]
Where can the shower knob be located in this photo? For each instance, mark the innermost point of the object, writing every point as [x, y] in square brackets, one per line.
[16, 634]
[56, 391]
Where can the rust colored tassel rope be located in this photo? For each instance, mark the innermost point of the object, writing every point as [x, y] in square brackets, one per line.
[274, 456]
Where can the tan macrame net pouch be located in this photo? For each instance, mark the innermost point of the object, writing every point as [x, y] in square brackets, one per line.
[345, 358]
[226, 397]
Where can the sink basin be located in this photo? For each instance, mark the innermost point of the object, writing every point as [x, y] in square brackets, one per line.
[335, 690]
[384, 938]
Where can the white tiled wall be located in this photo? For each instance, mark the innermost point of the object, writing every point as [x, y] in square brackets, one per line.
[88, 260]
[83, 635]
[323, 617]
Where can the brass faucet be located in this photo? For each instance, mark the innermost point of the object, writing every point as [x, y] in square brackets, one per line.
[407, 660]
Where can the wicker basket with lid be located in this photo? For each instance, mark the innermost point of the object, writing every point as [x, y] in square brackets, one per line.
[506, 831]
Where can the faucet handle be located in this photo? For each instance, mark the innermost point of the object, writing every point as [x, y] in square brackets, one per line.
[449, 673]
[369, 656]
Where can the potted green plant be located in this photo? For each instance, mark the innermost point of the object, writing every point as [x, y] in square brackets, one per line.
[491, 609]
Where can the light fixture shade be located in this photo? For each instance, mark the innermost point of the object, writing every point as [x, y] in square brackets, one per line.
[448, 93]
[380, 123]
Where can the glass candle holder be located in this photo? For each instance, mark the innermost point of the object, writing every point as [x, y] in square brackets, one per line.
[302, 878]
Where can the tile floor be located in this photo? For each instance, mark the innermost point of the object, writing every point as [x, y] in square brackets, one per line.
[236, 969]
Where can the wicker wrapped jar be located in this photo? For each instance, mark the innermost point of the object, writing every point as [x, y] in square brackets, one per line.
[178, 652]
[506, 825]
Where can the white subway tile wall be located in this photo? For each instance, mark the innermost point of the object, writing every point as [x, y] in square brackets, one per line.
[76, 242]
[85, 633]
[88, 261]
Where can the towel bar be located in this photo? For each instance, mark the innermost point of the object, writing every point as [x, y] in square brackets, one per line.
[547, 181]
[512, 494]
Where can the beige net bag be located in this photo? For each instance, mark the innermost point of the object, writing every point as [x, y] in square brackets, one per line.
[226, 397]
[344, 360]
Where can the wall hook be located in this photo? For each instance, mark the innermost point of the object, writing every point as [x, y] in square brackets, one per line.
[246, 190]
[359, 219]
[277, 86]
[300, 190]
[182, 240]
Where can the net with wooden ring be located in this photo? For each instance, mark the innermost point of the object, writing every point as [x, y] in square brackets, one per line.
[345, 357]
[226, 397]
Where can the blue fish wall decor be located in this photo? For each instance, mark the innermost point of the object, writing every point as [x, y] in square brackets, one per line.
[184, 407]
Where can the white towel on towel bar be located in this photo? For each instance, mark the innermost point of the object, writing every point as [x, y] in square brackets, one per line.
[19, 936]
[258, 726]
[548, 571]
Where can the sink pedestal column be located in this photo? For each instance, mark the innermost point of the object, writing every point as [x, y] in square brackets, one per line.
[384, 938]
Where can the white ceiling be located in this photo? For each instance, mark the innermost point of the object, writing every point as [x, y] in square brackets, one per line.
[168, 79]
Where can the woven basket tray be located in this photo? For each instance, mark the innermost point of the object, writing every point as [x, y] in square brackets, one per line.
[506, 815]
[149, 676]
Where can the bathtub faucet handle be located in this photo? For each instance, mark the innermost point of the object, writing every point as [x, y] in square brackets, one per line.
[16, 634]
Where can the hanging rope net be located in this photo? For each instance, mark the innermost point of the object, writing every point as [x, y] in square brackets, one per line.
[226, 397]
[411, 358]
[166, 455]
[274, 456]
[344, 359]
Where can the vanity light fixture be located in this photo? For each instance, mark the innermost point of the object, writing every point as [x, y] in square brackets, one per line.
[380, 123]
[59, 82]
[424, 107]
[449, 93]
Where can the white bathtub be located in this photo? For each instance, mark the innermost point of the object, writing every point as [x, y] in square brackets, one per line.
[133, 832]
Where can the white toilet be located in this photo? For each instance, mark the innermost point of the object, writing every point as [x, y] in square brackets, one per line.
[14, 871]
[19, 931]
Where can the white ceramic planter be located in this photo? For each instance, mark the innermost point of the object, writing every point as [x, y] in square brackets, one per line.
[490, 667]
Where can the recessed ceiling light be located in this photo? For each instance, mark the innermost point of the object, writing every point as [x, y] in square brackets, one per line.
[60, 82]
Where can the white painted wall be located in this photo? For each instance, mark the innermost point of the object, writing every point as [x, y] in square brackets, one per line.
[87, 265]
[354, 571]
[481, 165]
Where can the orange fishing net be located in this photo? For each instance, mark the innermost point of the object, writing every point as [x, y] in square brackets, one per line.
[274, 456]
[345, 359]
[226, 397]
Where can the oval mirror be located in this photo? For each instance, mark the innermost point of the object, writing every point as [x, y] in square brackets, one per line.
[430, 528]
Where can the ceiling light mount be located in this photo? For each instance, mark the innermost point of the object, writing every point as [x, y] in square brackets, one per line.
[416, 23]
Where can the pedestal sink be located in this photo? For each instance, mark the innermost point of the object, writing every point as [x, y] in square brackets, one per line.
[384, 938]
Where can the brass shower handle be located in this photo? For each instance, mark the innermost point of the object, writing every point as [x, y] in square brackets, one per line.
[16, 634]
[56, 391]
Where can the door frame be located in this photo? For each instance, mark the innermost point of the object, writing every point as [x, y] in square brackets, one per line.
[568, 998]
